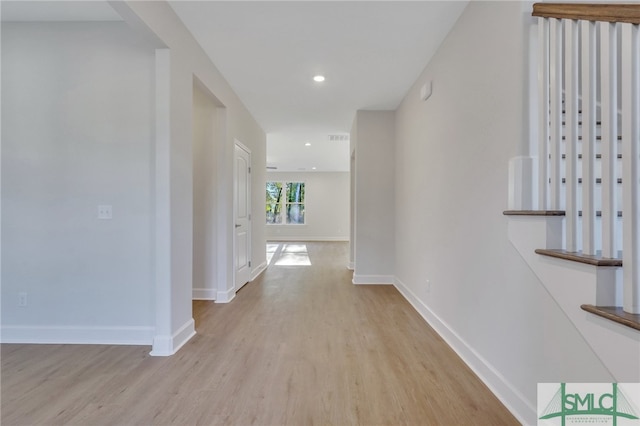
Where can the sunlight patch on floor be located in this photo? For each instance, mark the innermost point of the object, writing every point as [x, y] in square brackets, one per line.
[272, 248]
[285, 254]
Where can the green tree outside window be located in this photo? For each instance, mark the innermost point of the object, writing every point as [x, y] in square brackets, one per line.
[285, 197]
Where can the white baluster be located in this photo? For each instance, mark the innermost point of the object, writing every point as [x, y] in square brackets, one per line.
[555, 84]
[609, 132]
[571, 132]
[630, 166]
[588, 136]
[543, 113]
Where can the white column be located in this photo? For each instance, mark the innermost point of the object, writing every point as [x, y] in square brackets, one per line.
[588, 137]
[543, 113]
[571, 132]
[162, 342]
[609, 133]
[555, 87]
[630, 166]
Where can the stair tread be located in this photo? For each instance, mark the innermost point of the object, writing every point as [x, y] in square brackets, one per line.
[595, 260]
[615, 313]
[533, 213]
[547, 213]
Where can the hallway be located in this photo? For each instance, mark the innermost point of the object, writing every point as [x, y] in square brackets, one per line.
[299, 345]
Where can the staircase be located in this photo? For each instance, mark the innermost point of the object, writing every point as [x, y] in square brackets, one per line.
[581, 233]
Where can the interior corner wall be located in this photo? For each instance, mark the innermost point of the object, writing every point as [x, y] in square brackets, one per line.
[205, 136]
[188, 60]
[85, 280]
[326, 207]
[451, 187]
[374, 197]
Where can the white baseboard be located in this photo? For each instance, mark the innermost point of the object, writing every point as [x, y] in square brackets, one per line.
[515, 402]
[77, 335]
[226, 296]
[169, 345]
[203, 294]
[258, 270]
[373, 279]
[301, 239]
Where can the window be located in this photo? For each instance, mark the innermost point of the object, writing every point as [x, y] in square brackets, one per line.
[287, 197]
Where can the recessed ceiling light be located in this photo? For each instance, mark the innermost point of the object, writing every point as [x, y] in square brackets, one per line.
[313, 168]
[318, 78]
[307, 144]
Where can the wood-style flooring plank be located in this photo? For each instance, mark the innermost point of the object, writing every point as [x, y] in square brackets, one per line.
[300, 345]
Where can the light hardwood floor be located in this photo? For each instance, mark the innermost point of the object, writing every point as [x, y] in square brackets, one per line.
[300, 345]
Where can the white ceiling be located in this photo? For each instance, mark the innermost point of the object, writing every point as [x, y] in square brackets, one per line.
[289, 152]
[57, 11]
[370, 52]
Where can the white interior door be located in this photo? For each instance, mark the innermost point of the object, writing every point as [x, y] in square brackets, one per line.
[242, 212]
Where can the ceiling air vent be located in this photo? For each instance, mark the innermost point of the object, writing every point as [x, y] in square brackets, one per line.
[338, 138]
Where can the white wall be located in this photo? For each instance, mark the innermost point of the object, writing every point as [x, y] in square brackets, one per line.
[451, 188]
[373, 139]
[326, 207]
[96, 118]
[77, 116]
[189, 61]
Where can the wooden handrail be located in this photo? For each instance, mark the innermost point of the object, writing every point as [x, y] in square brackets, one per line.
[628, 13]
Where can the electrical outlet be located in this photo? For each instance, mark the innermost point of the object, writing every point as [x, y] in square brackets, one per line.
[105, 212]
[22, 299]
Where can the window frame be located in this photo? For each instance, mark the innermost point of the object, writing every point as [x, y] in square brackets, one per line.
[283, 202]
